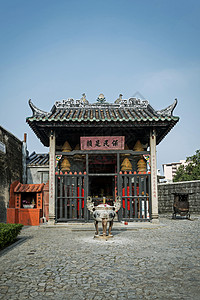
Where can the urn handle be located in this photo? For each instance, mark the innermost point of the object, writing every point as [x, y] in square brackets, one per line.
[117, 203]
[90, 204]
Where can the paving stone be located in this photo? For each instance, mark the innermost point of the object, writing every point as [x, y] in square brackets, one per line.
[148, 262]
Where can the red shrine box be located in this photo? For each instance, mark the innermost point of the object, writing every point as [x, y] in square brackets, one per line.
[12, 215]
[29, 216]
[25, 205]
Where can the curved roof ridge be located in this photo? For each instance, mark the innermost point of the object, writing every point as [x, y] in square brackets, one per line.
[168, 111]
[36, 111]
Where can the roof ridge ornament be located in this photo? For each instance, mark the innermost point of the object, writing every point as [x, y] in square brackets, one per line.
[101, 99]
[138, 103]
[168, 111]
[70, 102]
[118, 100]
[131, 102]
[83, 99]
[36, 111]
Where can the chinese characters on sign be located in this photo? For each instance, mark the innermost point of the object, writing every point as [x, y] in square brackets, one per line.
[154, 176]
[51, 189]
[102, 143]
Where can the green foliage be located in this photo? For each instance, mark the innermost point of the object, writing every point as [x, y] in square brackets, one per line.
[8, 233]
[191, 171]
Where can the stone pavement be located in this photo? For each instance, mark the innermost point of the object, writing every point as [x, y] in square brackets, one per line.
[142, 261]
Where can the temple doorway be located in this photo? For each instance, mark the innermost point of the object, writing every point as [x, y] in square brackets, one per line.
[102, 179]
[102, 186]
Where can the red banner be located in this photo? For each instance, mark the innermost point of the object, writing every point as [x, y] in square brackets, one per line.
[102, 142]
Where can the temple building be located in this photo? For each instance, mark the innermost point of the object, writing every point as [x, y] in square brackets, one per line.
[102, 150]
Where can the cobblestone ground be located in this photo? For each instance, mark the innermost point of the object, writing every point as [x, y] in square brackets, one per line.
[160, 262]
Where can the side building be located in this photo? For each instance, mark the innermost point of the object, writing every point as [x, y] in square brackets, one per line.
[11, 166]
[170, 170]
[37, 168]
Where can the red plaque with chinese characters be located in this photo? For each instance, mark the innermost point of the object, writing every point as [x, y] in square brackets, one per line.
[102, 142]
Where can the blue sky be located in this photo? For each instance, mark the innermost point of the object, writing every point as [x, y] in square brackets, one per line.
[53, 50]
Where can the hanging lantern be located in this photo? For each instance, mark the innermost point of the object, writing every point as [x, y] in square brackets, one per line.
[65, 165]
[142, 167]
[126, 165]
[66, 147]
[77, 156]
[138, 146]
[126, 148]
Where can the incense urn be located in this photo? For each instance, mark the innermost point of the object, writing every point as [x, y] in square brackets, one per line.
[104, 213]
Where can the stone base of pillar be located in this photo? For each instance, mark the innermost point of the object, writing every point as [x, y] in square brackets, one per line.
[155, 219]
[51, 220]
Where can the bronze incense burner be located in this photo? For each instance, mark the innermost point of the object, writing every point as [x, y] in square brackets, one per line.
[103, 213]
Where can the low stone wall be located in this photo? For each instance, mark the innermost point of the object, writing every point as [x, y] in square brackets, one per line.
[166, 198]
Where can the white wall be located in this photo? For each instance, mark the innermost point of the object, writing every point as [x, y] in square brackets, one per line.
[37, 174]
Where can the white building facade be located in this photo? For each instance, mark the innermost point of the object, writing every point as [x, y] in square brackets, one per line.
[171, 169]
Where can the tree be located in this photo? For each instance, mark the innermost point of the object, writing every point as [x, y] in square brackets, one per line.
[191, 171]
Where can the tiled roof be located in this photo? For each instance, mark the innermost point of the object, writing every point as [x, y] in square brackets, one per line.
[38, 159]
[69, 114]
[131, 110]
[28, 188]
